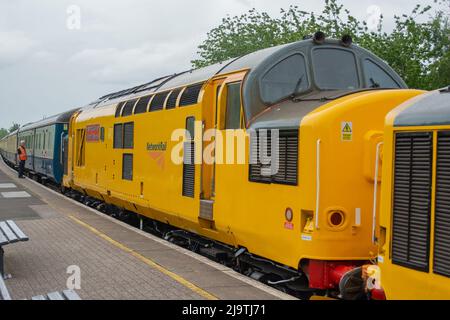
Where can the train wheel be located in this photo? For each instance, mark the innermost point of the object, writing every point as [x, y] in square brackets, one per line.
[352, 285]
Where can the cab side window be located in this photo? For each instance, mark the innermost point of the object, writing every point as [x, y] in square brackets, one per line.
[233, 112]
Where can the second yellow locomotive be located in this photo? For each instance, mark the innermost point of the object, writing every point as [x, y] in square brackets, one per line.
[414, 240]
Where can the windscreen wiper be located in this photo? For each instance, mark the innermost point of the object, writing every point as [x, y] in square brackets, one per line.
[297, 86]
[374, 83]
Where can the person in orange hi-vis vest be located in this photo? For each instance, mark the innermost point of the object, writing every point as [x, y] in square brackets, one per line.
[22, 154]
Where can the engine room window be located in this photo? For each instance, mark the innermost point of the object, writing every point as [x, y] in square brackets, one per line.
[335, 69]
[284, 79]
[233, 112]
[376, 77]
[118, 136]
[128, 135]
[127, 167]
[102, 134]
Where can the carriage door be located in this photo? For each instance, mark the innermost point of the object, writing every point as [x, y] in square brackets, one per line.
[210, 113]
[65, 153]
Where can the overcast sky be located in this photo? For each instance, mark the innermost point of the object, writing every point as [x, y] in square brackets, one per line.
[48, 65]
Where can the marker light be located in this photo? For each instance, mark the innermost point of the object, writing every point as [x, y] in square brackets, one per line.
[289, 214]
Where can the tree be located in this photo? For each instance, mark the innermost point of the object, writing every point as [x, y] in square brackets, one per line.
[14, 127]
[417, 51]
[3, 133]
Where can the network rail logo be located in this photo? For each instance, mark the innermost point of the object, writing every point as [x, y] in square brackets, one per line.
[157, 152]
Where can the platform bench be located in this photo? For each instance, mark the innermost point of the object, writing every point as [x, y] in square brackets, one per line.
[4, 294]
[9, 233]
[64, 295]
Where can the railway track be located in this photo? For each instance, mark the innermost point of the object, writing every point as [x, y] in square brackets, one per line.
[279, 277]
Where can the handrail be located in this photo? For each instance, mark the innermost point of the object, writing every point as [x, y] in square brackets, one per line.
[375, 191]
[317, 181]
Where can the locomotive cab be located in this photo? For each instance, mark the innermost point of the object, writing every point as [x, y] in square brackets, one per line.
[326, 102]
[414, 257]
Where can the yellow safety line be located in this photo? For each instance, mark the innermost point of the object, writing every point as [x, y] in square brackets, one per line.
[147, 261]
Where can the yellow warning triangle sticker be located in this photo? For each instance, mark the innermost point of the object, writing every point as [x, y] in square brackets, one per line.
[347, 128]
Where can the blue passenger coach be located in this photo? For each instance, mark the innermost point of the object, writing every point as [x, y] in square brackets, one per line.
[8, 148]
[45, 145]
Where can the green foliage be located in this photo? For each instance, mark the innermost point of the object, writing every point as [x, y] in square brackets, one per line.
[14, 127]
[417, 51]
[3, 133]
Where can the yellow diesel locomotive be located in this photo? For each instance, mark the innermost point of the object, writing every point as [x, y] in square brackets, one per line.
[414, 256]
[314, 109]
[309, 225]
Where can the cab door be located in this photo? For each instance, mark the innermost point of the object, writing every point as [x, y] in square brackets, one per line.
[210, 115]
[225, 113]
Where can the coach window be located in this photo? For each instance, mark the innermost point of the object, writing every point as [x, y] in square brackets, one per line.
[286, 78]
[233, 111]
[376, 77]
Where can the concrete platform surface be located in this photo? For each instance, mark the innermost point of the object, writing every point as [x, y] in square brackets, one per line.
[115, 261]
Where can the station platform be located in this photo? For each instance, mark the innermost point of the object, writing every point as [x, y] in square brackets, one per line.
[116, 261]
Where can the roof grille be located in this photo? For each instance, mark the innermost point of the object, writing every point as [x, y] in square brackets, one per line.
[412, 199]
[190, 95]
[158, 101]
[442, 211]
[119, 109]
[141, 106]
[172, 101]
[128, 108]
